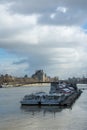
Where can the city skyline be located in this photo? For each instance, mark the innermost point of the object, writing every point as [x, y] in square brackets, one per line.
[48, 35]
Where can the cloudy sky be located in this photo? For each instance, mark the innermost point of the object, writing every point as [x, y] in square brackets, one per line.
[43, 34]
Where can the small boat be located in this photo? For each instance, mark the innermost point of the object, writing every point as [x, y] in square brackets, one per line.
[42, 98]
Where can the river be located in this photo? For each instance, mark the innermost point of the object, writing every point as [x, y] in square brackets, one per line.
[15, 117]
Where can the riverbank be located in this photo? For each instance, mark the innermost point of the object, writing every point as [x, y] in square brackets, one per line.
[36, 84]
[24, 85]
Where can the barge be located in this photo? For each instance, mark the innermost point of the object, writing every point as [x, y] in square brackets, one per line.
[60, 94]
[42, 98]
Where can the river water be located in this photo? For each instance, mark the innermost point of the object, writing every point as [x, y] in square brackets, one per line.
[15, 117]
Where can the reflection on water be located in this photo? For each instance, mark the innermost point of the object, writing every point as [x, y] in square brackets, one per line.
[43, 109]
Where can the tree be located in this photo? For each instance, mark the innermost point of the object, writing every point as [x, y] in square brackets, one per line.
[26, 76]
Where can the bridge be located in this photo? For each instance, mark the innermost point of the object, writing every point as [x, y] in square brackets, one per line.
[47, 82]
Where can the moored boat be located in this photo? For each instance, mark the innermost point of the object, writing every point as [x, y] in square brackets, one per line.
[42, 98]
[59, 94]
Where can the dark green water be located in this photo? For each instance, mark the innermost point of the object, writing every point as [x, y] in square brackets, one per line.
[15, 117]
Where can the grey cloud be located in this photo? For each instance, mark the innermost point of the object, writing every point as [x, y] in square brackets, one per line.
[76, 14]
[72, 17]
[37, 6]
[53, 49]
[32, 6]
[20, 62]
[53, 62]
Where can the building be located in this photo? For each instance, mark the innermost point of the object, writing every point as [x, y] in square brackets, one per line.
[40, 76]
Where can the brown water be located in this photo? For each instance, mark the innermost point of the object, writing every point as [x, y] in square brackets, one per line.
[15, 117]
